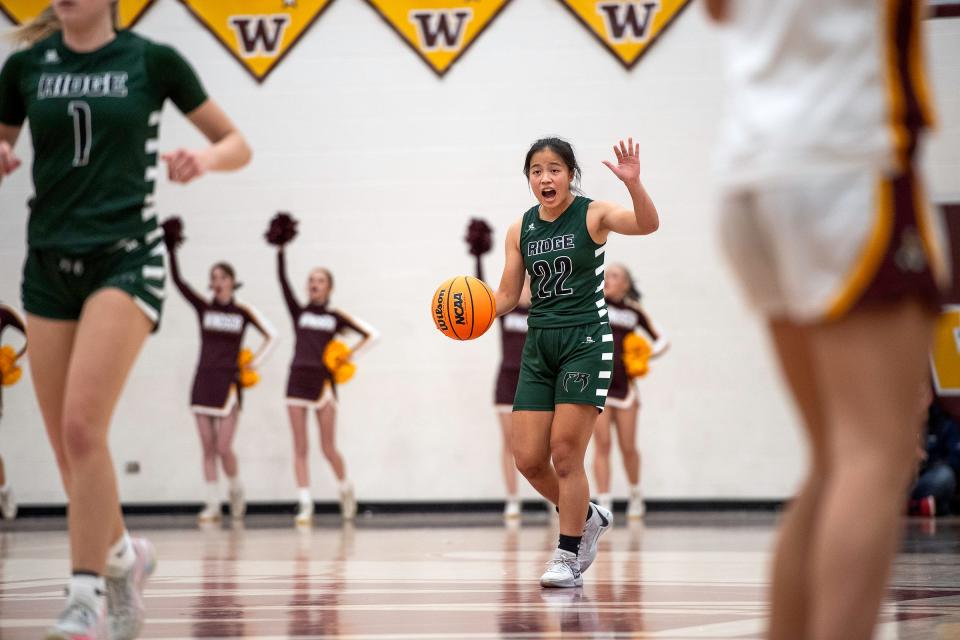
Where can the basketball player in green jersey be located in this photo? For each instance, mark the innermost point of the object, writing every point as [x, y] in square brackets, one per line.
[568, 355]
[94, 275]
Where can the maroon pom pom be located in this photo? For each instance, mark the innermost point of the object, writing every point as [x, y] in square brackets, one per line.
[173, 232]
[283, 229]
[479, 236]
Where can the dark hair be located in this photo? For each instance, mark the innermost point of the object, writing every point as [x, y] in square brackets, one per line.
[560, 147]
[633, 293]
[227, 268]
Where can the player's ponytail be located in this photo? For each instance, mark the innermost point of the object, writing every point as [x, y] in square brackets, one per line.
[32, 32]
[47, 23]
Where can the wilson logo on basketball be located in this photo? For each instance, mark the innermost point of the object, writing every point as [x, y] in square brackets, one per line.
[258, 33]
[440, 31]
[20, 11]
[439, 317]
[627, 28]
[463, 308]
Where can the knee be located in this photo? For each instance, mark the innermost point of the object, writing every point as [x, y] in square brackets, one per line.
[81, 440]
[565, 458]
[530, 466]
[224, 450]
[329, 450]
[629, 451]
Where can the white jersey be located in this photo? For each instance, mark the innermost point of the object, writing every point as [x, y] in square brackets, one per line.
[820, 84]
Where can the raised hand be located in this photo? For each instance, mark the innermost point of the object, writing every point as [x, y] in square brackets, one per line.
[184, 165]
[628, 161]
[9, 162]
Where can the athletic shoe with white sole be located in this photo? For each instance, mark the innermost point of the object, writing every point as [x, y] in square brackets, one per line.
[563, 572]
[8, 505]
[348, 504]
[511, 509]
[125, 609]
[606, 501]
[635, 507]
[79, 622]
[304, 515]
[210, 514]
[597, 524]
[238, 506]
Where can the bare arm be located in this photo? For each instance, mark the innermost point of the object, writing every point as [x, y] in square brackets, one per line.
[606, 217]
[660, 341]
[228, 150]
[268, 332]
[511, 283]
[194, 298]
[292, 305]
[9, 162]
[368, 335]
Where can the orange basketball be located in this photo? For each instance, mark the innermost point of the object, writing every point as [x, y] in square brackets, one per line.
[463, 308]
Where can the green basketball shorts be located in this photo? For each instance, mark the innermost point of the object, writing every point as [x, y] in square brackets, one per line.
[57, 284]
[565, 365]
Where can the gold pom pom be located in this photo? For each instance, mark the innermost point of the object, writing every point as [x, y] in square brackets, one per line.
[9, 371]
[245, 358]
[336, 357]
[249, 378]
[636, 355]
[344, 373]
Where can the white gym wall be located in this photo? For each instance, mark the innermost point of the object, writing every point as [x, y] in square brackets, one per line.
[383, 163]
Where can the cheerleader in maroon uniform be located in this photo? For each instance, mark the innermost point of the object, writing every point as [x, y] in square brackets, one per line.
[9, 318]
[311, 384]
[513, 335]
[623, 404]
[216, 396]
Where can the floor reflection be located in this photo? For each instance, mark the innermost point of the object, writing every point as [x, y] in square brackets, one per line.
[217, 611]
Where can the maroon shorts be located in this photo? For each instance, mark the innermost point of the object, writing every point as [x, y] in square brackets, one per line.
[215, 392]
[506, 387]
[310, 385]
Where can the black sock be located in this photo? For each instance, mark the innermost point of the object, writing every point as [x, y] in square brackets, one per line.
[570, 543]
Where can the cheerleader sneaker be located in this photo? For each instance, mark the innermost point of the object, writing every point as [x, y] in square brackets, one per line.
[238, 505]
[304, 517]
[636, 509]
[605, 500]
[563, 572]
[209, 515]
[348, 503]
[8, 506]
[511, 509]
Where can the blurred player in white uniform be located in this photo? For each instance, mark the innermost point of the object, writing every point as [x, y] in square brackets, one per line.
[827, 226]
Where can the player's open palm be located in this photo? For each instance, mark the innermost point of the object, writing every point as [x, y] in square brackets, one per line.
[628, 161]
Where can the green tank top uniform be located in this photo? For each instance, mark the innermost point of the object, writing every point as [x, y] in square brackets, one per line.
[565, 266]
[568, 354]
[95, 120]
